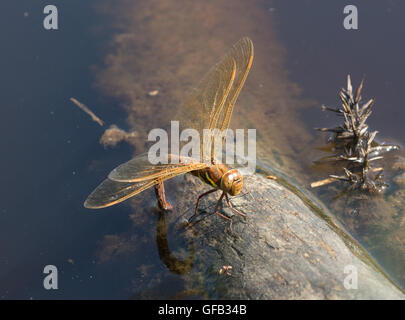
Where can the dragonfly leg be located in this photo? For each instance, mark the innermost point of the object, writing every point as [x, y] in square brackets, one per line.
[220, 214]
[198, 200]
[232, 208]
[251, 195]
[161, 197]
[219, 201]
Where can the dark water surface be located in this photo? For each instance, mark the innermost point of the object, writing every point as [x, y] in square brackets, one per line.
[109, 56]
[320, 54]
[48, 146]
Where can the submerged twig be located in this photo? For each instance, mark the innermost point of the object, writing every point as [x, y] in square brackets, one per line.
[88, 111]
[334, 178]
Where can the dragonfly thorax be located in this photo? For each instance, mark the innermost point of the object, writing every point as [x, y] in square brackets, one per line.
[219, 176]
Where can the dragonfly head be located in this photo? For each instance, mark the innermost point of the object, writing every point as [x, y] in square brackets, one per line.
[232, 182]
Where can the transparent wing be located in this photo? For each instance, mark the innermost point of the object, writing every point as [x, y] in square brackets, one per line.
[140, 168]
[242, 55]
[111, 192]
[211, 103]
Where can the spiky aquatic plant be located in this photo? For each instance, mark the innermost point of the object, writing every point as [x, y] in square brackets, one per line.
[355, 144]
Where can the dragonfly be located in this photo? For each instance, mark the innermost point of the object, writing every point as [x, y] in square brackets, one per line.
[209, 106]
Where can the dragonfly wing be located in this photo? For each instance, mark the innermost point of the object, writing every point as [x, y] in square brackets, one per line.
[211, 103]
[140, 168]
[242, 55]
[111, 192]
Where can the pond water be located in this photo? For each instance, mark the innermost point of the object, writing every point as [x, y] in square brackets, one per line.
[110, 56]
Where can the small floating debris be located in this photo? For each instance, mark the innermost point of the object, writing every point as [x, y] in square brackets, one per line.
[272, 177]
[225, 269]
[114, 135]
[88, 111]
[153, 93]
[355, 145]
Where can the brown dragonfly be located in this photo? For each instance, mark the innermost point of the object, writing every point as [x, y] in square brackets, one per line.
[209, 106]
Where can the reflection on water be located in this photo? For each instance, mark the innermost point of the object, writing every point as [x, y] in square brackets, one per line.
[172, 263]
[165, 47]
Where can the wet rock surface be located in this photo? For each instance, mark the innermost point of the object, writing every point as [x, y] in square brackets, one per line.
[283, 250]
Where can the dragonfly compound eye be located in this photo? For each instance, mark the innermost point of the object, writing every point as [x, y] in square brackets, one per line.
[232, 182]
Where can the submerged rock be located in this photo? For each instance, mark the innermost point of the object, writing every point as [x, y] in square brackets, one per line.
[283, 250]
